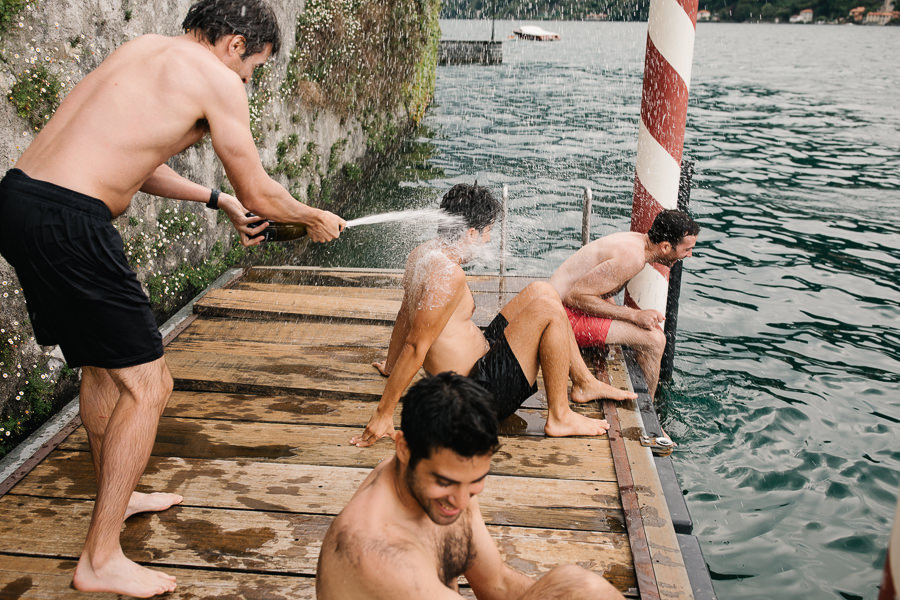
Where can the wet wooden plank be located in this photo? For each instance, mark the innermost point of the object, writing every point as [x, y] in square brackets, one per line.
[384, 278]
[346, 410]
[564, 458]
[253, 367]
[662, 543]
[520, 501]
[35, 578]
[242, 304]
[256, 302]
[394, 294]
[271, 542]
[315, 334]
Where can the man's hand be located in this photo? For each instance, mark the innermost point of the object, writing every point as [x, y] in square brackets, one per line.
[324, 226]
[379, 426]
[648, 319]
[238, 216]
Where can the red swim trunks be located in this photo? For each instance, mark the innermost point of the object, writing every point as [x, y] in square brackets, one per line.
[589, 330]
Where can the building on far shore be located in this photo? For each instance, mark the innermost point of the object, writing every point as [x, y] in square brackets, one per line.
[596, 17]
[881, 18]
[805, 16]
[704, 15]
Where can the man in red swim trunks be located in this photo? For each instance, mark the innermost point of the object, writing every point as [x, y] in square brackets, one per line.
[588, 281]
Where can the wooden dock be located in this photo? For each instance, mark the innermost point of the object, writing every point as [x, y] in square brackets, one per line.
[273, 377]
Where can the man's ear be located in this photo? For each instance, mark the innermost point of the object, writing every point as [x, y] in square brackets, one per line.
[472, 234]
[401, 447]
[238, 44]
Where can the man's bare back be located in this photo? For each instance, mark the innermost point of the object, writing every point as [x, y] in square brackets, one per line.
[121, 122]
[149, 100]
[603, 267]
[431, 280]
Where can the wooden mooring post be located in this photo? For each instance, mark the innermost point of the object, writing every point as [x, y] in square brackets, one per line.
[674, 293]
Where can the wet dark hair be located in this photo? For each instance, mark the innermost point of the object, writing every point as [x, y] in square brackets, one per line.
[672, 226]
[252, 19]
[448, 411]
[475, 204]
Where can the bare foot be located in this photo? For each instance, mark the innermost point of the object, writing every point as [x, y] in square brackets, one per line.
[122, 576]
[596, 389]
[155, 502]
[380, 367]
[572, 423]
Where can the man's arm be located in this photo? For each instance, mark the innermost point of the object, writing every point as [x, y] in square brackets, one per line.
[165, 182]
[428, 321]
[593, 293]
[228, 115]
[398, 336]
[489, 576]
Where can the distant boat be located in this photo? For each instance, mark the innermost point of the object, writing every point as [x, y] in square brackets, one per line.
[533, 32]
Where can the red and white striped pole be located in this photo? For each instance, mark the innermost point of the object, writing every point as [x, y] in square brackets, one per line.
[667, 77]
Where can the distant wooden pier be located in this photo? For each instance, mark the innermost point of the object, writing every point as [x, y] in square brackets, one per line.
[273, 377]
[470, 52]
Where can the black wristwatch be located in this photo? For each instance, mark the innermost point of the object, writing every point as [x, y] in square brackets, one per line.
[213, 199]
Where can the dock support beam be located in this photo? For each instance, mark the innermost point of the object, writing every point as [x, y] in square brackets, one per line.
[586, 217]
[674, 294]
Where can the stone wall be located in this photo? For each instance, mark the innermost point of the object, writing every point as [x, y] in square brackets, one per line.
[349, 80]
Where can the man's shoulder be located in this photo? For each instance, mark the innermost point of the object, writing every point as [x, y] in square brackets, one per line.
[368, 540]
[428, 267]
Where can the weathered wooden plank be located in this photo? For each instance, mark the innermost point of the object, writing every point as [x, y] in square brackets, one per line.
[307, 302]
[271, 368]
[318, 334]
[665, 553]
[237, 303]
[520, 501]
[564, 458]
[35, 578]
[382, 278]
[343, 410]
[395, 294]
[270, 542]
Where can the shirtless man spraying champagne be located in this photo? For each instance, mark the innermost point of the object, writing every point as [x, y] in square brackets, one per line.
[149, 100]
[414, 525]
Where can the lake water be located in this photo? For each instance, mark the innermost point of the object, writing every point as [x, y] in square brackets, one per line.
[784, 401]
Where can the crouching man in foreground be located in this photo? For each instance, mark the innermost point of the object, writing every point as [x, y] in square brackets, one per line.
[414, 525]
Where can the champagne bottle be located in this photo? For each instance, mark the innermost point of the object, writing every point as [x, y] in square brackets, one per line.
[278, 232]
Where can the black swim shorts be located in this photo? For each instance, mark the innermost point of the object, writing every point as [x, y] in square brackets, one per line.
[79, 289]
[500, 373]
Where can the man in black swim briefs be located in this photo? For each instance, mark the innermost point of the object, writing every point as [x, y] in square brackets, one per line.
[434, 329]
[150, 99]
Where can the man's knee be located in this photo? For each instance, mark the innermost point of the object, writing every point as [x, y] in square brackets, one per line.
[543, 289]
[150, 384]
[657, 341]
